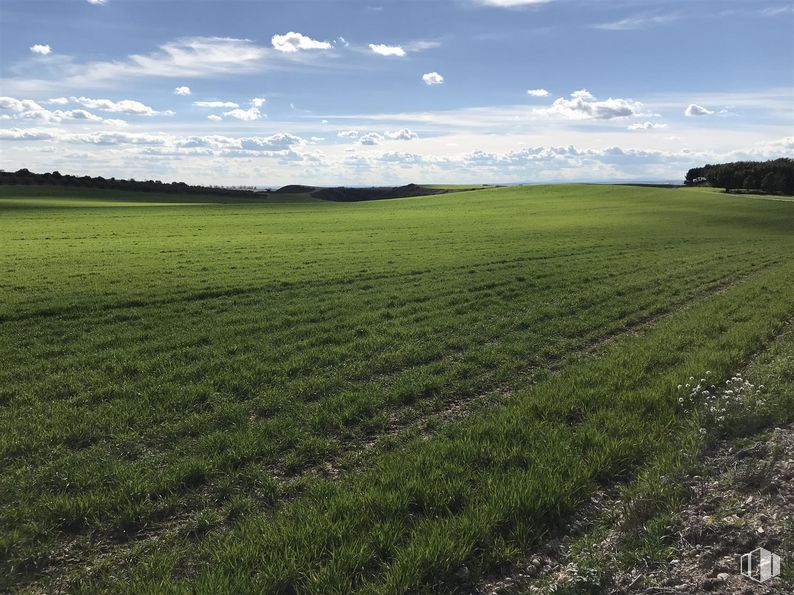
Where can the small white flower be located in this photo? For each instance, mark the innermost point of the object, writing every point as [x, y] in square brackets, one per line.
[680, 399]
[679, 387]
[708, 372]
[687, 386]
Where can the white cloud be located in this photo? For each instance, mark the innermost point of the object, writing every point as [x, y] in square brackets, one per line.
[276, 142]
[403, 134]
[81, 114]
[27, 109]
[247, 115]
[510, 3]
[184, 57]
[697, 110]
[584, 106]
[40, 49]
[258, 101]
[292, 42]
[774, 11]
[59, 101]
[646, 126]
[347, 134]
[125, 106]
[373, 138]
[19, 105]
[215, 104]
[343, 41]
[97, 2]
[27, 134]
[214, 118]
[538, 93]
[211, 144]
[638, 22]
[582, 94]
[387, 50]
[421, 46]
[182, 91]
[432, 78]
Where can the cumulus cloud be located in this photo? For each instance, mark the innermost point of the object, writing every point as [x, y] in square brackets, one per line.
[97, 2]
[646, 126]
[27, 134]
[214, 118]
[292, 42]
[387, 50]
[182, 91]
[247, 115]
[537, 93]
[582, 94]
[59, 101]
[372, 138]
[403, 159]
[19, 105]
[119, 138]
[125, 106]
[276, 142]
[204, 145]
[347, 134]
[697, 110]
[258, 101]
[432, 78]
[81, 114]
[583, 106]
[42, 49]
[27, 109]
[403, 134]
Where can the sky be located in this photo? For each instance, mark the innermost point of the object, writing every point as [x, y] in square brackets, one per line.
[384, 92]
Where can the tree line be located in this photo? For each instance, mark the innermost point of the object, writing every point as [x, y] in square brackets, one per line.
[26, 177]
[768, 177]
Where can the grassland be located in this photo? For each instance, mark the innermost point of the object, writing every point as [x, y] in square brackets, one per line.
[301, 395]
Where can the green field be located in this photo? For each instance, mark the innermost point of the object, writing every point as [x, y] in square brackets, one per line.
[294, 395]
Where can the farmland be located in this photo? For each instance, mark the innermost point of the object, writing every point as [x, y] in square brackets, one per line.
[292, 394]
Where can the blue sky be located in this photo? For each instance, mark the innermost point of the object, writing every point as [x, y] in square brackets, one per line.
[384, 92]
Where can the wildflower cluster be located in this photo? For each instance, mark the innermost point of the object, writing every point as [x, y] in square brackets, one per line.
[723, 404]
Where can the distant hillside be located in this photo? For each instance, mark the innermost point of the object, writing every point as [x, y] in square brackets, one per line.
[343, 194]
[25, 177]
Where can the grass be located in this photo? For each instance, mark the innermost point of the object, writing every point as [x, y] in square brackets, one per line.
[176, 378]
[646, 512]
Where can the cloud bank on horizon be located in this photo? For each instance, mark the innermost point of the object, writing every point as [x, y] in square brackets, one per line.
[361, 93]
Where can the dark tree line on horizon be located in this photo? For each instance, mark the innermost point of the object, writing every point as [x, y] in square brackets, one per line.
[27, 178]
[768, 177]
